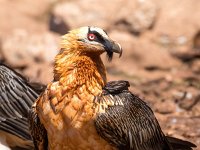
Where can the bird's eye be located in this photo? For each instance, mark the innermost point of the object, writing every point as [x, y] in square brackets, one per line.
[91, 36]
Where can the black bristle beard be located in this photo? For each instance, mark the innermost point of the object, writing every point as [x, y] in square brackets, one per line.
[109, 55]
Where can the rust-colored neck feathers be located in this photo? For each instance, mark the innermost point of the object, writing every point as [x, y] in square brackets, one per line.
[74, 67]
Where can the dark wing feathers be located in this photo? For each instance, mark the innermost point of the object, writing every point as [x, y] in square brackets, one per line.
[178, 144]
[129, 124]
[16, 99]
[38, 132]
[16, 127]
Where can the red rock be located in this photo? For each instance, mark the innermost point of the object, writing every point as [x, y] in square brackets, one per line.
[21, 49]
[135, 15]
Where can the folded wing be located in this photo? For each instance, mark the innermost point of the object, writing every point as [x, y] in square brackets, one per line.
[129, 123]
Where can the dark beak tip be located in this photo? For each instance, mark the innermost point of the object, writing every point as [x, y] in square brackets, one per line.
[119, 50]
[120, 54]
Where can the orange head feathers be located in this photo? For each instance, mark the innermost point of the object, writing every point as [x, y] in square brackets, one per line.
[89, 41]
[84, 46]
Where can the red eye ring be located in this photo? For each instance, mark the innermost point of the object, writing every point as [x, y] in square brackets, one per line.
[91, 36]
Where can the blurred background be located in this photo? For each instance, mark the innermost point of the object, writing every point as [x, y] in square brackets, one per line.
[160, 39]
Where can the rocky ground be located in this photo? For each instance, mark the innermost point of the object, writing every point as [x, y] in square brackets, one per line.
[161, 42]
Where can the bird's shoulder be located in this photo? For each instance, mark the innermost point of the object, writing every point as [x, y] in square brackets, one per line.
[118, 92]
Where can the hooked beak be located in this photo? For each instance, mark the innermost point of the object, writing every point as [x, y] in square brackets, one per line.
[112, 47]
